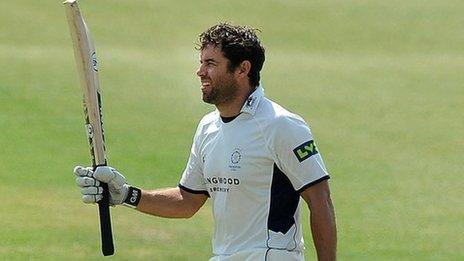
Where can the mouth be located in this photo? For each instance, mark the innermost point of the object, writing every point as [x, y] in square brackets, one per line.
[205, 84]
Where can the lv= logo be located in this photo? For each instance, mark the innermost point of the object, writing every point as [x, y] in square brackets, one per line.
[305, 150]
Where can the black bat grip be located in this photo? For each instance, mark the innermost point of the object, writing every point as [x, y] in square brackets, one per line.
[105, 222]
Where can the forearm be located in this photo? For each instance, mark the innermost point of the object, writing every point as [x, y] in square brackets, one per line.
[324, 231]
[169, 203]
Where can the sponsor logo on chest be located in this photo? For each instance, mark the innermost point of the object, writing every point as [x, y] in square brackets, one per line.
[226, 180]
[221, 184]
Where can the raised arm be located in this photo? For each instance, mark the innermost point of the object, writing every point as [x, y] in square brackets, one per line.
[170, 202]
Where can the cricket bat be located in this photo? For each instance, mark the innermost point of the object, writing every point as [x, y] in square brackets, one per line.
[87, 68]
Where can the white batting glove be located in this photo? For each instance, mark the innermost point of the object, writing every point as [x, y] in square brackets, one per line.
[90, 180]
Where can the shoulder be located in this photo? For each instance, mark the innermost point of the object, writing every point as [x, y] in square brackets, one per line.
[208, 122]
[209, 118]
[284, 130]
[275, 117]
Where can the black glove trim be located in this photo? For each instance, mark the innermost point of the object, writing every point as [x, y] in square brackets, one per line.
[133, 197]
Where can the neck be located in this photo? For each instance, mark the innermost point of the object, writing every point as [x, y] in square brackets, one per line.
[233, 107]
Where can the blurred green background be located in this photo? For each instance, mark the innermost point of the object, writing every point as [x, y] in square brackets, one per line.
[380, 82]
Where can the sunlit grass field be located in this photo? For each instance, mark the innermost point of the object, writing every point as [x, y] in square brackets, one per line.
[381, 84]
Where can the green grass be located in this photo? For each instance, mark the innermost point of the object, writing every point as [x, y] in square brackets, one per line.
[380, 83]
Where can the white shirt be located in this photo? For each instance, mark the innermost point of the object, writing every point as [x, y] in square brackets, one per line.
[254, 169]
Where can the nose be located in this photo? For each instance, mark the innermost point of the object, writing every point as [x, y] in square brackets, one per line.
[200, 71]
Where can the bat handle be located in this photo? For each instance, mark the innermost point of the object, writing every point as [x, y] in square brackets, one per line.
[105, 223]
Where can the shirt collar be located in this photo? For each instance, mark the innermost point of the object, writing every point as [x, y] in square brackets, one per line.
[251, 103]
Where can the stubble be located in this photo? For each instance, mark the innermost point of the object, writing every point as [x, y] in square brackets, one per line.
[223, 92]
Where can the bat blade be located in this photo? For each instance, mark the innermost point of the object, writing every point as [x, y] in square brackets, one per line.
[87, 67]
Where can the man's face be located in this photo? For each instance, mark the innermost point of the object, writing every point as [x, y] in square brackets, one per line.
[218, 84]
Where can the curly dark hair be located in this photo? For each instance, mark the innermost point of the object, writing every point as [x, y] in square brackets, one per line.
[238, 44]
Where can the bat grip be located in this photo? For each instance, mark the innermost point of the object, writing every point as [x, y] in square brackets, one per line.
[105, 222]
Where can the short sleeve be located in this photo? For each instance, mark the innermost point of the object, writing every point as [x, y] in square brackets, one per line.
[297, 155]
[192, 178]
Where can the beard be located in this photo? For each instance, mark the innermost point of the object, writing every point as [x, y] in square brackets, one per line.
[222, 92]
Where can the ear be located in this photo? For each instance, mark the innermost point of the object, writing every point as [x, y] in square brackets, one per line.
[243, 69]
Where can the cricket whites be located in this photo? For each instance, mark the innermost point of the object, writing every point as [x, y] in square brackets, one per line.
[87, 67]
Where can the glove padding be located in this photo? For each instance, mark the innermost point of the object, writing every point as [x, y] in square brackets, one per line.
[90, 180]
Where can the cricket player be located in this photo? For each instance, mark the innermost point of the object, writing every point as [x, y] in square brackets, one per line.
[251, 157]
